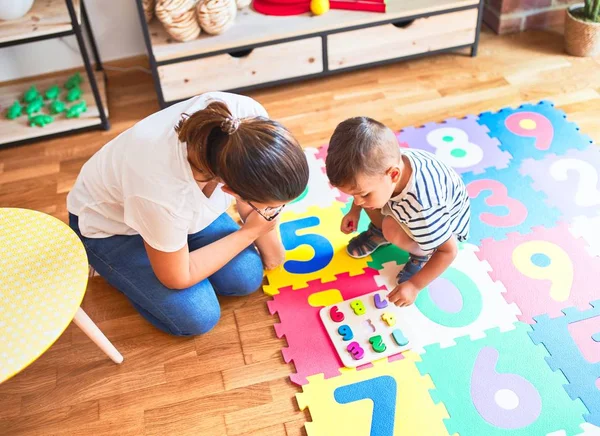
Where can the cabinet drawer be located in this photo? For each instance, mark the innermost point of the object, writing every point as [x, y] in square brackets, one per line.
[380, 43]
[236, 70]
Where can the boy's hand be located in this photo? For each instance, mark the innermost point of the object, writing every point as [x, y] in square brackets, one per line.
[404, 294]
[350, 222]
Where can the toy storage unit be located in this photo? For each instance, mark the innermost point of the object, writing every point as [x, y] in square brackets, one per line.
[260, 50]
[50, 19]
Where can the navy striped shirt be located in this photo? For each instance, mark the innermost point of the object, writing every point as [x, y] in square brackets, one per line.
[434, 205]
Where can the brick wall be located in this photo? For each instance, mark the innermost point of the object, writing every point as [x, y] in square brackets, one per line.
[506, 16]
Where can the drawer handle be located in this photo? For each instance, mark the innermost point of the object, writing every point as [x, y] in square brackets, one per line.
[240, 53]
[402, 24]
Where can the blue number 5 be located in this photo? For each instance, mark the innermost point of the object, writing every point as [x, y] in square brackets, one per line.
[382, 391]
[291, 239]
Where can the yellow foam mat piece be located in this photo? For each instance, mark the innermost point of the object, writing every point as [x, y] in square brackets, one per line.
[322, 229]
[415, 412]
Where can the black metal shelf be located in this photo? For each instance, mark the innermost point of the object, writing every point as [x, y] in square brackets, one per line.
[74, 16]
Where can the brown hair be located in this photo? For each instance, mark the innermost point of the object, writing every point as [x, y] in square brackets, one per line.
[256, 157]
[360, 145]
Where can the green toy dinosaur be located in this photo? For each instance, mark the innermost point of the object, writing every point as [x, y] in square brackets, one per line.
[57, 107]
[40, 120]
[35, 106]
[74, 81]
[31, 94]
[15, 111]
[74, 94]
[76, 110]
[52, 92]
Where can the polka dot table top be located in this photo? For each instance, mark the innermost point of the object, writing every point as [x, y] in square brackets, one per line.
[43, 277]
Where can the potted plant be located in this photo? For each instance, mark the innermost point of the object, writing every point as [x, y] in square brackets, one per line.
[582, 29]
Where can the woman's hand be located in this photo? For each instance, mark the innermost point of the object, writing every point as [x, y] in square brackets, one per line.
[257, 226]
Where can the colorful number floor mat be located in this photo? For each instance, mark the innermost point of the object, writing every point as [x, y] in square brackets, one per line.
[508, 337]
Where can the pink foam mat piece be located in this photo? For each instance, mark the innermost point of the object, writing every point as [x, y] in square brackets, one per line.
[584, 333]
[309, 346]
[544, 271]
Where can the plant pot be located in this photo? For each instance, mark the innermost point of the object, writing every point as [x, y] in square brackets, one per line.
[582, 38]
[13, 9]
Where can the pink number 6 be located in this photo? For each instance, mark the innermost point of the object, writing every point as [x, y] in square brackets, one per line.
[336, 315]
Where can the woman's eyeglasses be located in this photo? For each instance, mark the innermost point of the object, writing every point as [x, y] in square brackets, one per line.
[268, 213]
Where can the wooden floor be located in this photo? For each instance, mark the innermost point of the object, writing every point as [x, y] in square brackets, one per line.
[233, 380]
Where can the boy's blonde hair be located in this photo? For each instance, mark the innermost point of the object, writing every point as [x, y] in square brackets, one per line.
[360, 145]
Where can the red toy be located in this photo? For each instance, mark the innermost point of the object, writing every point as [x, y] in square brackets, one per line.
[297, 7]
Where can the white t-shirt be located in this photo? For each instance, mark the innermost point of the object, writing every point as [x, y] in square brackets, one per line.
[141, 182]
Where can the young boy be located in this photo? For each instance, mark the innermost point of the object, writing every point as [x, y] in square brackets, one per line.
[414, 201]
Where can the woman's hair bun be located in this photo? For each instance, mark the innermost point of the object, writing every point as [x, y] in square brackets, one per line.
[230, 125]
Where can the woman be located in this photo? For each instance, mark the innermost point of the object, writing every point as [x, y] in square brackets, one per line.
[150, 207]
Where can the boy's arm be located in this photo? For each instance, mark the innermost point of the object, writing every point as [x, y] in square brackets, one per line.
[350, 220]
[439, 262]
[405, 293]
[355, 208]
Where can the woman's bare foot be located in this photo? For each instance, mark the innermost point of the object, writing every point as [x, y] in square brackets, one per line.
[272, 262]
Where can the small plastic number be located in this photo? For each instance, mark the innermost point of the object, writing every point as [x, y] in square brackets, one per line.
[368, 326]
[379, 302]
[346, 332]
[336, 315]
[389, 319]
[356, 351]
[358, 307]
[399, 337]
[377, 344]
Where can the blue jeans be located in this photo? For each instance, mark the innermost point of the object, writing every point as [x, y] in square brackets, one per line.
[123, 262]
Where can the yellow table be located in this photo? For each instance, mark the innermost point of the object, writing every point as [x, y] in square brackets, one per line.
[43, 277]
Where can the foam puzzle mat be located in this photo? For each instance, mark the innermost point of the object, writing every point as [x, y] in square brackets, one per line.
[508, 337]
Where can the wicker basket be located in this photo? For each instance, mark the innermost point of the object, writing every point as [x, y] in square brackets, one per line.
[178, 18]
[582, 38]
[149, 6]
[216, 16]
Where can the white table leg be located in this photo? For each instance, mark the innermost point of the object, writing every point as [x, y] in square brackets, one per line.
[84, 322]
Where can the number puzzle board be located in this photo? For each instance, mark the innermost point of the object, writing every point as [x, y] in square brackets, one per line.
[365, 329]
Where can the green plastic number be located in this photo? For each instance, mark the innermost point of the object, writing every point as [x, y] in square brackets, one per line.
[377, 344]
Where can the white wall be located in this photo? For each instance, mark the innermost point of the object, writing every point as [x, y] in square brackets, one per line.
[118, 33]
